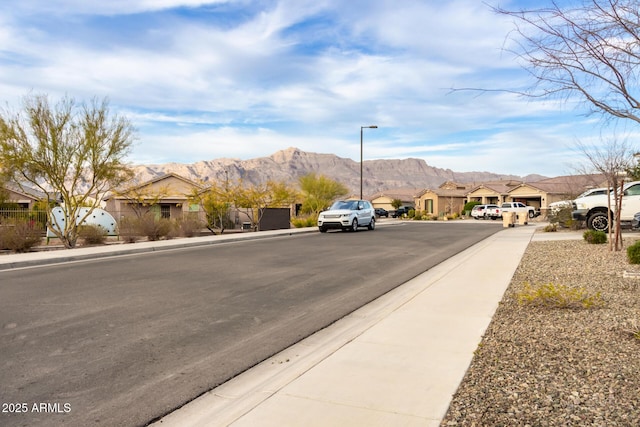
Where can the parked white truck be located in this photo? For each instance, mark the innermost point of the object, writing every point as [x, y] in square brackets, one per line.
[595, 209]
[518, 208]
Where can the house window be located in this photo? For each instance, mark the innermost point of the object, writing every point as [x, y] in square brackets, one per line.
[165, 211]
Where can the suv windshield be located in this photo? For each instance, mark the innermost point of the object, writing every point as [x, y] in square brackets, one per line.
[345, 204]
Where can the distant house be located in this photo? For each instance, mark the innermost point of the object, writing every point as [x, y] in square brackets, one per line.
[538, 194]
[167, 196]
[562, 188]
[384, 199]
[23, 198]
[448, 198]
[492, 192]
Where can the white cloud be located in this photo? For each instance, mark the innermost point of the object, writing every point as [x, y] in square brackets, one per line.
[247, 78]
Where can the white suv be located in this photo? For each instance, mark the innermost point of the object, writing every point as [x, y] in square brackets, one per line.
[348, 215]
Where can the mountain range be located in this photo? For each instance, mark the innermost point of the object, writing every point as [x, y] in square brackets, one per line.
[290, 164]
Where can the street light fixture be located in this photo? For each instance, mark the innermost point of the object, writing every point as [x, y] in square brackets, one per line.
[363, 127]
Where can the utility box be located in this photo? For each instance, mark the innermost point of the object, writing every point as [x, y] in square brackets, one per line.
[508, 219]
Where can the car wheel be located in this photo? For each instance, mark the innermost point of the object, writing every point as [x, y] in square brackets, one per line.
[354, 225]
[531, 214]
[322, 229]
[372, 224]
[599, 221]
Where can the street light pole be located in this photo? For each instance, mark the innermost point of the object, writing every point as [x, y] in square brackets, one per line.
[361, 149]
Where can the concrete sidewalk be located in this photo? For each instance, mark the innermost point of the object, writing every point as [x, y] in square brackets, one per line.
[394, 362]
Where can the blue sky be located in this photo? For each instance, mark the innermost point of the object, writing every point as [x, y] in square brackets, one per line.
[202, 80]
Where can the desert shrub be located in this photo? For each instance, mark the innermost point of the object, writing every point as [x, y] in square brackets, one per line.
[563, 217]
[304, 221]
[418, 215]
[551, 228]
[92, 234]
[634, 330]
[188, 226]
[411, 213]
[154, 228]
[633, 253]
[128, 229]
[551, 295]
[19, 235]
[595, 237]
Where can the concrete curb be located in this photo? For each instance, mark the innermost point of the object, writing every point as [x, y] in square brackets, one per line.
[31, 259]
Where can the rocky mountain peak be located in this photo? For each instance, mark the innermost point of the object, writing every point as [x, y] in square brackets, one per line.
[291, 163]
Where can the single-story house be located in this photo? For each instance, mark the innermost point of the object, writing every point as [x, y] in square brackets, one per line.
[168, 196]
[538, 194]
[383, 200]
[448, 198]
[24, 198]
[492, 192]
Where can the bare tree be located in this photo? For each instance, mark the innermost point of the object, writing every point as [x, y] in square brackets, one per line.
[590, 51]
[611, 159]
[73, 153]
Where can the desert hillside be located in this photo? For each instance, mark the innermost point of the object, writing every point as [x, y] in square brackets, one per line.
[288, 165]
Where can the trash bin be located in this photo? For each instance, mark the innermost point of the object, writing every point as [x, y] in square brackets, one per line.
[508, 219]
[523, 218]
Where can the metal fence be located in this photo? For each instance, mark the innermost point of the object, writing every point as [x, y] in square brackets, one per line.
[38, 219]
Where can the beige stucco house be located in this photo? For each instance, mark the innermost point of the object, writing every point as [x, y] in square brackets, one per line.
[405, 195]
[538, 194]
[167, 196]
[448, 198]
[24, 199]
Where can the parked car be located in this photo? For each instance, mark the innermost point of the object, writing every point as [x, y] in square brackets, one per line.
[348, 215]
[492, 211]
[478, 211]
[519, 208]
[556, 207]
[635, 222]
[595, 209]
[382, 212]
[402, 210]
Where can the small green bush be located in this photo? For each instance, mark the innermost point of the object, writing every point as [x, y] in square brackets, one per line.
[633, 253]
[551, 228]
[411, 213]
[304, 221]
[92, 234]
[19, 235]
[595, 237]
[468, 207]
[551, 295]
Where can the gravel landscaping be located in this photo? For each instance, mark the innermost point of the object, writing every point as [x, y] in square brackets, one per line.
[548, 366]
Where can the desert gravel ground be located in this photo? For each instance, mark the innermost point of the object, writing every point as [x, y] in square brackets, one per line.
[543, 366]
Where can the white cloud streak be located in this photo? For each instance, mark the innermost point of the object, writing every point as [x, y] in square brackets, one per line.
[247, 78]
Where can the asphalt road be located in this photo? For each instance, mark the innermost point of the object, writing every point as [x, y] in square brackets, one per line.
[121, 341]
